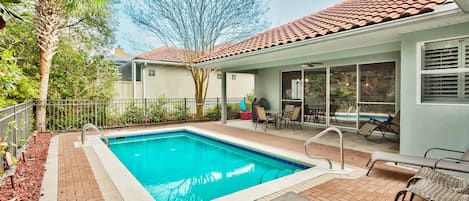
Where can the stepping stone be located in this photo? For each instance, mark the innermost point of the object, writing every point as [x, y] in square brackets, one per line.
[290, 196]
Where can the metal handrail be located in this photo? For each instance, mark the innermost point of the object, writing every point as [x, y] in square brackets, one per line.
[92, 126]
[341, 140]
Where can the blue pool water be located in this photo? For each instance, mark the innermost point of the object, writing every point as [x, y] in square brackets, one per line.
[186, 166]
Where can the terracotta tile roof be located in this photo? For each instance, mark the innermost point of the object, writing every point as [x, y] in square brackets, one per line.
[170, 54]
[344, 16]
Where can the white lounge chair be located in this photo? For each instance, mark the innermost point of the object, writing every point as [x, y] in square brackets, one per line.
[447, 163]
[429, 190]
[458, 184]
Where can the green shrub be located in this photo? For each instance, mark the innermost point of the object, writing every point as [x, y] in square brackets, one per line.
[213, 112]
[233, 110]
[133, 114]
[181, 113]
[157, 110]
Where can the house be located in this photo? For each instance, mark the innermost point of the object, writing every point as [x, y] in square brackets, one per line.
[367, 58]
[163, 72]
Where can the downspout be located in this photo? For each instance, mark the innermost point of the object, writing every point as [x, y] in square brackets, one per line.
[224, 115]
[134, 79]
[143, 81]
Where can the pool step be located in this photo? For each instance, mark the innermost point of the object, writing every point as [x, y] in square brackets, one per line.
[298, 170]
[284, 173]
[275, 173]
[269, 175]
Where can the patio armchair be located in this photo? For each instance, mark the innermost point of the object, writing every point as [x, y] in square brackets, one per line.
[391, 125]
[296, 117]
[263, 118]
[460, 185]
[9, 170]
[287, 114]
[445, 163]
[429, 190]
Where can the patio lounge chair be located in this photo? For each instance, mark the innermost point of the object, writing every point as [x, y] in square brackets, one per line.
[263, 118]
[448, 163]
[460, 185]
[9, 169]
[429, 190]
[391, 125]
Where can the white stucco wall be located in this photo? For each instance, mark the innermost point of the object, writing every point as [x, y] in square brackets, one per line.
[177, 82]
[425, 125]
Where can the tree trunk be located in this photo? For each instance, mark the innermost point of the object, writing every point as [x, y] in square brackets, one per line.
[201, 80]
[43, 89]
[49, 18]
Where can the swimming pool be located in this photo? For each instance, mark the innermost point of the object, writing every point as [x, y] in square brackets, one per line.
[183, 165]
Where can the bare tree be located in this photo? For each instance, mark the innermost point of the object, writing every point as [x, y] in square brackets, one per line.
[198, 26]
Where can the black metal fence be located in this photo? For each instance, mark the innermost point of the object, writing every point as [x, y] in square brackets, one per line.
[69, 115]
[16, 123]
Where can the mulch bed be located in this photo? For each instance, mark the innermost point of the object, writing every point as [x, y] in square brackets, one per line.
[29, 174]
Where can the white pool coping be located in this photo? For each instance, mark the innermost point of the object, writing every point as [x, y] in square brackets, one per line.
[130, 189]
[50, 179]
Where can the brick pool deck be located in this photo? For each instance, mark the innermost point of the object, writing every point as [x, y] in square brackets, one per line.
[77, 181]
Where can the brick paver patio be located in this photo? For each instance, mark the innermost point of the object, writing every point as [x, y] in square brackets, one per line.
[77, 182]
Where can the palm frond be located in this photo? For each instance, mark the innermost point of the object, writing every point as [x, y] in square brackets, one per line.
[7, 11]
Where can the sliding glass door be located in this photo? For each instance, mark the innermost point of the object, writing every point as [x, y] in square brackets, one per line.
[344, 96]
[315, 95]
[377, 91]
[292, 88]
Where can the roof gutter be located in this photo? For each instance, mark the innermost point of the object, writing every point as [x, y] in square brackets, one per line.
[444, 10]
[150, 61]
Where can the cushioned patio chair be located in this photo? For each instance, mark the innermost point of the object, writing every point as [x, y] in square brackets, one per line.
[287, 114]
[263, 118]
[296, 117]
[446, 163]
[9, 170]
[391, 125]
[429, 190]
[458, 184]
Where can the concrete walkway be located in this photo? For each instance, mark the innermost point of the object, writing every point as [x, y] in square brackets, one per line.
[78, 180]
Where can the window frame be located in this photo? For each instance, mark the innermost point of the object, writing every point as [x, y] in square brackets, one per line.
[420, 71]
[151, 73]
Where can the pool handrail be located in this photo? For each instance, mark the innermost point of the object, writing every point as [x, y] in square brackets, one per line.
[314, 138]
[92, 126]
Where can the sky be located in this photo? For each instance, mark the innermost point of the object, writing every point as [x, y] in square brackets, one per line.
[135, 41]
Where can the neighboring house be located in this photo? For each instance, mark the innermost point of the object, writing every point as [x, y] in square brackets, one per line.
[163, 72]
[368, 58]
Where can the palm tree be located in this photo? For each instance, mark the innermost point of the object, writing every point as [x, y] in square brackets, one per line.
[51, 17]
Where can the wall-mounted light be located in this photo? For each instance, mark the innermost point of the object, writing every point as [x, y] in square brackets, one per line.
[306, 80]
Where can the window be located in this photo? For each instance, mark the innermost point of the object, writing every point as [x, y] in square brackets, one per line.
[445, 71]
[233, 77]
[219, 76]
[151, 73]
